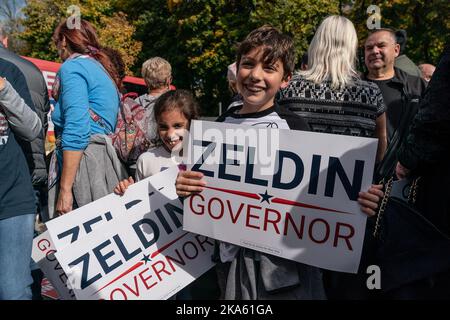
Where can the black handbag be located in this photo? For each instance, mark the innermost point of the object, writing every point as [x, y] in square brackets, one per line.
[408, 247]
[386, 167]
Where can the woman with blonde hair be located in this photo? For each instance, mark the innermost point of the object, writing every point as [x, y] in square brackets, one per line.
[329, 95]
[332, 98]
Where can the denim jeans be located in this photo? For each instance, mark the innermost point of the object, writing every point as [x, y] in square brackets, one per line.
[16, 238]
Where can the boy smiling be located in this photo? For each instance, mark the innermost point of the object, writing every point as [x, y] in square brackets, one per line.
[265, 62]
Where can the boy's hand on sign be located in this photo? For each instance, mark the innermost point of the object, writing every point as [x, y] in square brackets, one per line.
[123, 186]
[369, 200]
[189, 182]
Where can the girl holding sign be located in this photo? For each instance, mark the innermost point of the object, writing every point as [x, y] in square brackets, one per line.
[174, 111]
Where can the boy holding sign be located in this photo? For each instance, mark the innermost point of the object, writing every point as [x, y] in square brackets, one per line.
[265, 62]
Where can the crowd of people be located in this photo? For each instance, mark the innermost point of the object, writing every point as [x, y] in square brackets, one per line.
[328, 95]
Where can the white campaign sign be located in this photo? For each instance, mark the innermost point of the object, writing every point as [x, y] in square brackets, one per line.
[43, 253]
[78, 223]
[300, 205]
[143, 255]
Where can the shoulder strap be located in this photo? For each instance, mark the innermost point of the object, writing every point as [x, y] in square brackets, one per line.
[387, 166]
[92, 113]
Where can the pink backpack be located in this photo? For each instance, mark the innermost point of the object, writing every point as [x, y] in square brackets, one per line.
[129, 139]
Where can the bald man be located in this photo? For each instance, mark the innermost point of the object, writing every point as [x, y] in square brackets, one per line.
[397, 86]
[427, 71]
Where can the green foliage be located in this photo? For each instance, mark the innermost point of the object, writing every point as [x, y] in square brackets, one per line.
[425, 21]
[298, 18]
[198, 37]
[42, 17]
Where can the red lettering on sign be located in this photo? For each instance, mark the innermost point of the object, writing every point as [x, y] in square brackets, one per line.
[201, 207]
[273, 222]
[299, 230]
[249, 215]
[124, 295]
[235, 217]
[163, 269]
[327, 228]
[220, 215]
[346, 237]
[144, 280]
[186, 249]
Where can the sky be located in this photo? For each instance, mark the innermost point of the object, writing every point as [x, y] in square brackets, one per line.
[8, 6]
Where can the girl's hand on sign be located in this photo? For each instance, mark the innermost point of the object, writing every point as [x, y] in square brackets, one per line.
[189, 182]
[369, 200]
[123, 186]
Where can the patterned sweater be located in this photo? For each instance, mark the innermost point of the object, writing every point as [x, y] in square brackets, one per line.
[351, 110]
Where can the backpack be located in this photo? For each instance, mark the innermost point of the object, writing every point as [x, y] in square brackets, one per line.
[130, 137]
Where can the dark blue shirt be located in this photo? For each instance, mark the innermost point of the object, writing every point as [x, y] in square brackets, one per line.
[16, 190]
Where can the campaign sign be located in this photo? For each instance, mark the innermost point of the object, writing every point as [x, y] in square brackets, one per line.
[74, 225]
[144, 255]
[287, 193]
[43, 253]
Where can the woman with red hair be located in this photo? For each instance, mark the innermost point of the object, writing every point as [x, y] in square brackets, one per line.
[87, 95]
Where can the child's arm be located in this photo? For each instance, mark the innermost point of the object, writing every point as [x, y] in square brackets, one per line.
[123, 185]
[189, 182]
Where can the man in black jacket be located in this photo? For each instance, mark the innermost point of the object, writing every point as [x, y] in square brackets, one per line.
[398, 87]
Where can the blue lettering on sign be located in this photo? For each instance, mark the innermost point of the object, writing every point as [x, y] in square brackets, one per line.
[143, 228]
[210, 146]
[84, 260]
[335, 168]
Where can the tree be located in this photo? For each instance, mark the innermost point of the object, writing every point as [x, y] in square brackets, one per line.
[42, 17]
[197, 37]
[299, 18]
[11, 22]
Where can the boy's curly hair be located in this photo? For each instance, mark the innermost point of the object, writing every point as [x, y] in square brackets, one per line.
[275, 45]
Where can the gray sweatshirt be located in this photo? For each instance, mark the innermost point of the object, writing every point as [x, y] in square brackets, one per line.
[22, 120]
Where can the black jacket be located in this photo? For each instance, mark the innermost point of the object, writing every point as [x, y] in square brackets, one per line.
[426, 149]
[410, 88]
[409, 85]
[34, 151]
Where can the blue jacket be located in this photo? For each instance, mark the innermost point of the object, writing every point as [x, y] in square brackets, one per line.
[84, 84]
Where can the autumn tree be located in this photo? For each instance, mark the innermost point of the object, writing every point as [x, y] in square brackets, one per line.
[11, 23]
[42, 16]
[299, 18]
[199, 37]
